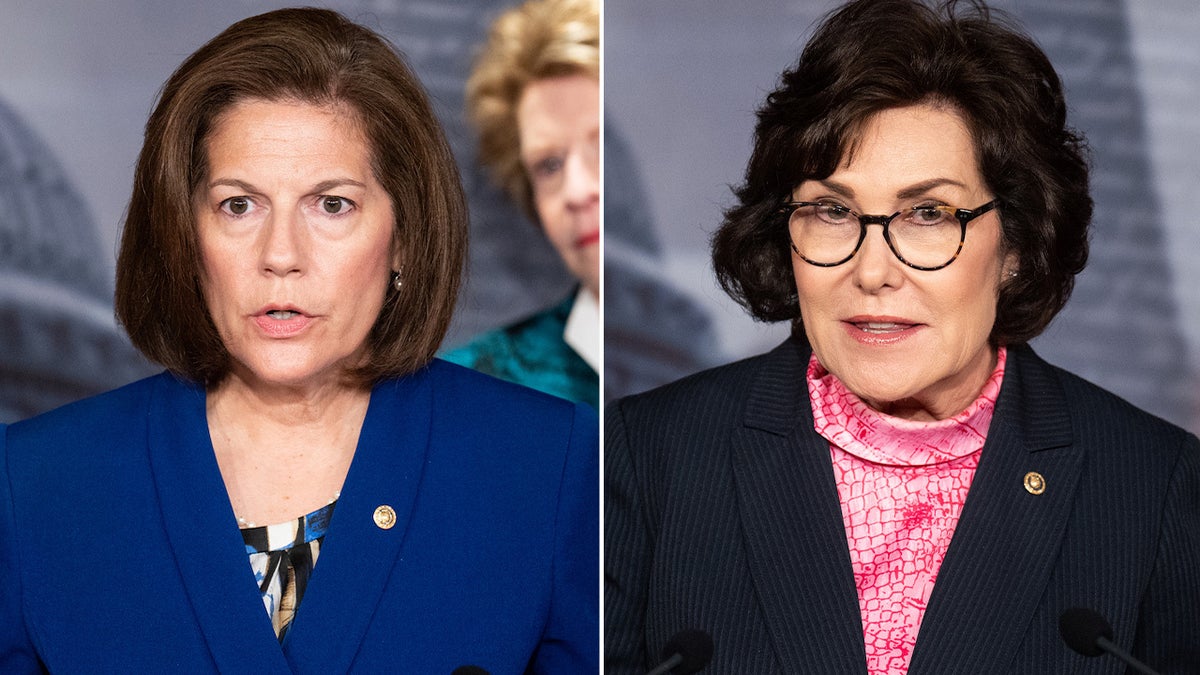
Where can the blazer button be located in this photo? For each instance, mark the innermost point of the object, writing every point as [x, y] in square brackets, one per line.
[1034, 483]
[385, 517]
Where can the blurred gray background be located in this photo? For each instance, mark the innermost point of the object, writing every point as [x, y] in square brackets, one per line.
[682, 81]
[77, 81]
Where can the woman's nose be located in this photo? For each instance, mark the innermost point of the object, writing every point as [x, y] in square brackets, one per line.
[581, 179]
[875, 266]
[282, 244]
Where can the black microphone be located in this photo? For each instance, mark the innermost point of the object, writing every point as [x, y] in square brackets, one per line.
[687, 652]
[469, 670]
[1088, 633]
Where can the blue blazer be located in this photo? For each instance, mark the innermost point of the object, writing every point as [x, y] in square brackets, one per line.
[722, 514]
[120, 553]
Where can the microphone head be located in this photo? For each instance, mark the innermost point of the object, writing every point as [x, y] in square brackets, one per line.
[1081, 628]
[696, 648]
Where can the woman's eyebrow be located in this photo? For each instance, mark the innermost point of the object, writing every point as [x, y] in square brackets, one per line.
[925, 186]
[840, 188]
[231, 182]
[910, 192]
[321, 187]
[327, 185]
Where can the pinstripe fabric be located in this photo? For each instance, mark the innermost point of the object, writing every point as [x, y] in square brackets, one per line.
[721, 513]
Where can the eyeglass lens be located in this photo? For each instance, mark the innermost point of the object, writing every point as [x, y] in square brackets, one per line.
[830, 234]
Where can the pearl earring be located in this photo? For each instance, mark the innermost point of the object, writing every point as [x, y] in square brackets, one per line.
[396, 281]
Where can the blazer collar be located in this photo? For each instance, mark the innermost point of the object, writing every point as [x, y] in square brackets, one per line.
[357, 555]
[361, 549]
[778, 399]
[203, 532]
[1000, 557]
[1007, 539]
[792, 523]
[1033, 403]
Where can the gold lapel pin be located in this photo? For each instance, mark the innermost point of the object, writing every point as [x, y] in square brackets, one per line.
[1035, 484]
[385, 516]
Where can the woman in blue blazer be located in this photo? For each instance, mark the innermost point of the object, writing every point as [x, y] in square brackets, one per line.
[305, 489]
[904, 486]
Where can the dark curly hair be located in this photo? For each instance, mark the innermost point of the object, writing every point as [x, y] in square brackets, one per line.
[874, 55]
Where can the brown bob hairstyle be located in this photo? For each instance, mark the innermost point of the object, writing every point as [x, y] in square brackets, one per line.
[315, 56]
[873, 55]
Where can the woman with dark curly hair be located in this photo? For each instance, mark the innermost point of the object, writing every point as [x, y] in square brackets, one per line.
[903, 485]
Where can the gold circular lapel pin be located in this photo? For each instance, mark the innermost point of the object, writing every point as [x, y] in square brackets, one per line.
[1035, 484]
[385, 517]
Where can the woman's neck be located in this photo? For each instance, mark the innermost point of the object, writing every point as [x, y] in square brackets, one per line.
[283, 452]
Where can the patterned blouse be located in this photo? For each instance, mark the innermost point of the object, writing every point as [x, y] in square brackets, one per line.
[282, 557]
[902, 485]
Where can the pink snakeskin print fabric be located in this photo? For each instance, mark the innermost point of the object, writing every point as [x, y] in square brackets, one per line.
[902, 485]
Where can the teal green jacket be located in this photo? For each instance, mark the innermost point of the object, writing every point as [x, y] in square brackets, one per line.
[532, 352]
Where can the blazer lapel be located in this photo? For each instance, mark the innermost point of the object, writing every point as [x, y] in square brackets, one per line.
[792, 523]
[203, 533]
[1007, 538]
[361, 548]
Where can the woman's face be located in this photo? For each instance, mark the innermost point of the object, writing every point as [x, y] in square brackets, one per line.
[558, 121]
[910, 343]
[295, 238]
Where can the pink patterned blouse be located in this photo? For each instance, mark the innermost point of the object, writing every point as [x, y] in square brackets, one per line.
[902, 485]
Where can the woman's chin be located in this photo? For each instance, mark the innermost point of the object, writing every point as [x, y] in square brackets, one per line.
[883, 395]
[889, 401]
[288, 376]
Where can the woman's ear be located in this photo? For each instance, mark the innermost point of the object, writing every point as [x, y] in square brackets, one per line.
[1010, 268]
[397, 260]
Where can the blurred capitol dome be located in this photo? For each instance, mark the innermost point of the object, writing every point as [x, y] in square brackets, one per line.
[58, 339]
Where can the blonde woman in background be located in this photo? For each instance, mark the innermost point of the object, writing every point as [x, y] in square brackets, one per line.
[534, 97]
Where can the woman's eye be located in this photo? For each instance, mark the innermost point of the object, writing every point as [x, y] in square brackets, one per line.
[928, 215]
[833, 213]
[237, 206]
[547, 167]
[335, 205]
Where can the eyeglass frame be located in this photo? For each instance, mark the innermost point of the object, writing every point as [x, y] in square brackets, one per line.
[964, 216]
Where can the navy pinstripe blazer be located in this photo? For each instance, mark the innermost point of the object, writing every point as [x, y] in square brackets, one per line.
[721, 514]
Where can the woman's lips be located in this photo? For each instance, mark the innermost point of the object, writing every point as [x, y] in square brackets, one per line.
[588, 239]
[282, 323]
[880, 330]
[881, 327]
